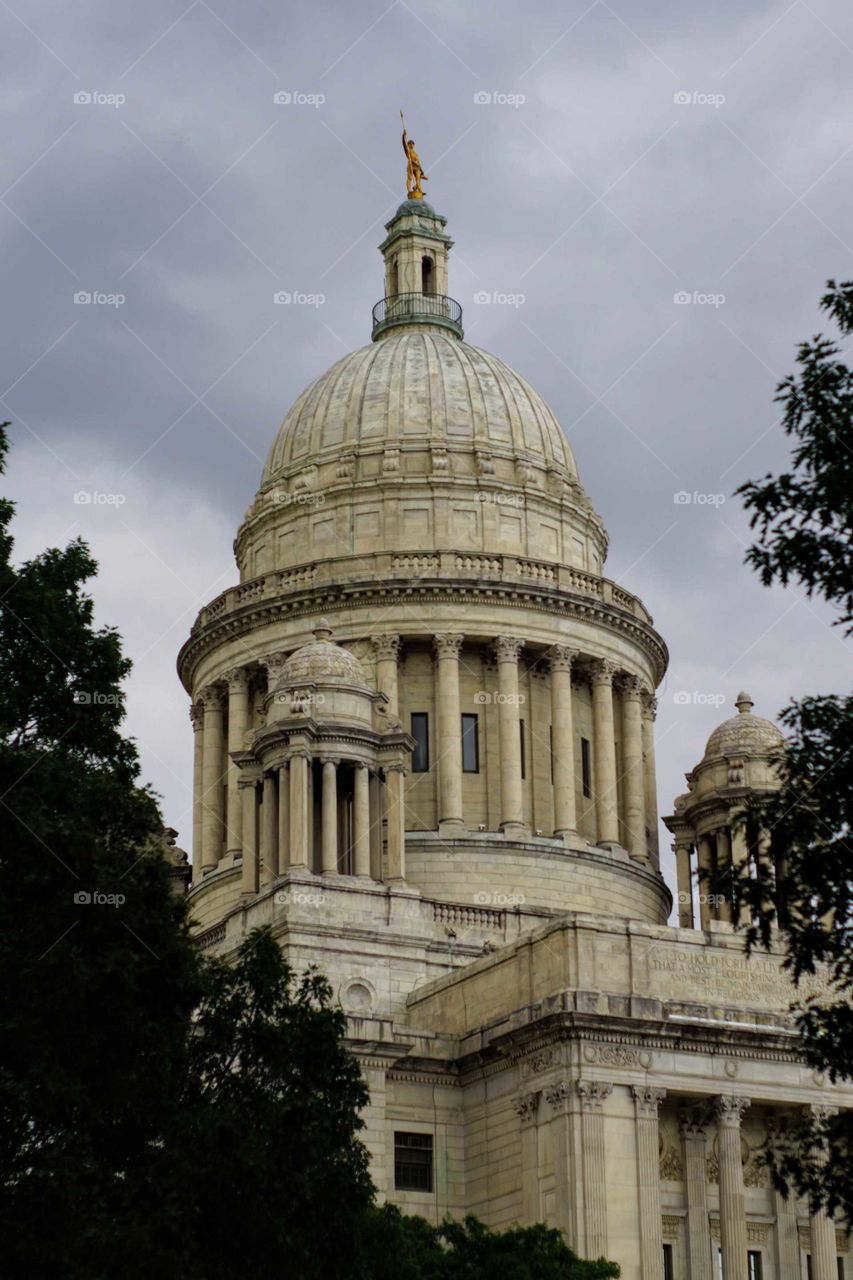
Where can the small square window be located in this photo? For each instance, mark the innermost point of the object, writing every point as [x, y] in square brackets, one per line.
[413, 1161]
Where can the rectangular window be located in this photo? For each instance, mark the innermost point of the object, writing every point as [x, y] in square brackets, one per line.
[840, 1268]
[668, 1272]
[808, 1266]
[753, 1265]
[413, 1161]
[521, 745]
[420, 733]
[585, 768]
[470, 744]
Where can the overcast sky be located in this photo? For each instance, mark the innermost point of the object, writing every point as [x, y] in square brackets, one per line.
[628, 153]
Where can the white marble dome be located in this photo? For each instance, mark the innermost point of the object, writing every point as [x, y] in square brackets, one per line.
[321, 661]
[743, 734]
[426, 385]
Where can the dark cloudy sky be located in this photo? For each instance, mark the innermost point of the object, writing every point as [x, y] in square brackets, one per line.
[183, 187]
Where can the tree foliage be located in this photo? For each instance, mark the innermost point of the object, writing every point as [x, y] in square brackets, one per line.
[802, 884]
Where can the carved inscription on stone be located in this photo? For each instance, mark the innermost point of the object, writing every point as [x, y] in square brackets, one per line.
[730, 978]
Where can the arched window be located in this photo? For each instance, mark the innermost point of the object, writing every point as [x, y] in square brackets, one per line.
[394, 280]
[426, 275]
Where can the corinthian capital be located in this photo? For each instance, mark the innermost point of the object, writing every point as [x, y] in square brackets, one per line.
[387, 648]
[508, 648]
[594, 1093]
[560, 657]
[602, 671]
[197, 715]
[630, 686]
[730, 1110]
[650, 704]
[448, 644]
[213, 697]
[238, 680]
[647, 1100]
[526, 1106]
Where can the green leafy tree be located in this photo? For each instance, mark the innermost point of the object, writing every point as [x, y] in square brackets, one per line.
[399, 1247]
[801, 886]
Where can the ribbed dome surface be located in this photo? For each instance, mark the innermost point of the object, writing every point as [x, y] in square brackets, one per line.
[743, 733]
[425, 385]
[321, 660]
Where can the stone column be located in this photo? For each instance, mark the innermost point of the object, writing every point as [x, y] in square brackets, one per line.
[238, 723]
[787, 1228]
[387, 650]
[566, 1191]
[723, 854]
[602, 672]
[821, 1225]
[650, 704]
[283, 819]
[646, 1103]
[212, 792]
[704, 862]
[740, 860]
[376, 807]
[593, 1095]
[692, 1124]
[447, 650]
[361, 821]
[329, 833]
[563, 740]
[527, 1110]
[269, 844]
[396, 811]
[632, 768]
[732, 1207]
[299, 809]
[507, 650]
[685, 884]
[248, 826]
[197, 721]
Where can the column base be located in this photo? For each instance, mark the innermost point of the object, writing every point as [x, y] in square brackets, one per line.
[568, 835]
[613, 847]
[515, 829]
[452, 827]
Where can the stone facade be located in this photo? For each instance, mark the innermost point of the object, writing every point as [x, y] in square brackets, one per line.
[445, 796]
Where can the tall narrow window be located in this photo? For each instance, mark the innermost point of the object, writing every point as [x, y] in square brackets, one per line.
[413, 1161]
[420, 733]
[586, 773]
[470, 744]
[426, 275]
[523, 754]
[668, 1272]
[551, 749]
[753, 1265]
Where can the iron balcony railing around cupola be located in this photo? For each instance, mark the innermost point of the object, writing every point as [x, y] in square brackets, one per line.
[417, 308]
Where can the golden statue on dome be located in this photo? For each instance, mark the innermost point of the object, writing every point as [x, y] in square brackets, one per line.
[414, 172]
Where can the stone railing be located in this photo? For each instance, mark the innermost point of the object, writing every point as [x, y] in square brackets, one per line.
[211, 937]
[398, 566]
[468, 917]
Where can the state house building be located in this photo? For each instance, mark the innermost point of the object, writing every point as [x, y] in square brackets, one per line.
[425, 756]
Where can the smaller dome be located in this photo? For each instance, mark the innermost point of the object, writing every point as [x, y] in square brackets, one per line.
[321, 660]
[744, 733]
